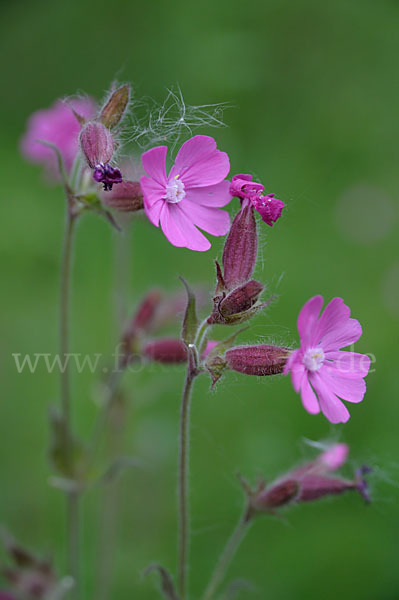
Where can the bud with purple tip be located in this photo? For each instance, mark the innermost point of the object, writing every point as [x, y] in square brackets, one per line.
[97, 144]
[310, 482]
[261, 360]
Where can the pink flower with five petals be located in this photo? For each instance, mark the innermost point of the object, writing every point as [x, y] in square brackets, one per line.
[191, 195]
[320, 371]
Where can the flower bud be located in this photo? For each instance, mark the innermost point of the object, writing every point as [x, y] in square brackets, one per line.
[314, 487]
[140, 324]
[276, 495]
[240, 249]
[126, 197]
[97, 144]
[167, 351]
[238, 305]
[115, 107]
[257, 360]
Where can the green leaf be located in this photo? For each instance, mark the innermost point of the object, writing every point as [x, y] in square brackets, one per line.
[190, 321]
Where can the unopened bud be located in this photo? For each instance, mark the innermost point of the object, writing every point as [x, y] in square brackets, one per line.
[257, 360]
[240, 249]
[276, 495]
[126, 197]
[238, 305]
[115, 107]
[167, 351]
[140, 324]
[97, 144]
[314, 487]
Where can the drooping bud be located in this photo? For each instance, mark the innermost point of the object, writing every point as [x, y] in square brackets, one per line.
[237, 306]
[126, 197]
[115, 107]
[167, 351]
[97, 144]
[240, 249]
[259, 360]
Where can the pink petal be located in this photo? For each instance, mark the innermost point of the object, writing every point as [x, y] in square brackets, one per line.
[211, 220]
[342, 336]
[153, 211]
[349, 364]
[180, 231]
[154, 163]
[198, 162]
[152, 190]
[335, 314]
[307, 319]
[292, 360]
[331, 406]
[347, 388]
[212, 195]
[334, 457]
[308, 397]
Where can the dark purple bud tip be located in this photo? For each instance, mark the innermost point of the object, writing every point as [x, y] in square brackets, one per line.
[362, 484]
[107, 175]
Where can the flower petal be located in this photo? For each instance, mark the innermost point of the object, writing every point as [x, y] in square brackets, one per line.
[154, 163]
[211, 220]
[342, 336]
[349, 364]
[212, 195]
[180, 231]
[334, 315]
[308, 397]
[348, 388]
[198, 162]
[331, 406]
[153, 211]
[152, 190]
[307, 319]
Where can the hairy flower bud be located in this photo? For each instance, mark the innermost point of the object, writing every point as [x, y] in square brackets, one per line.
[126, 197]
[167, 351]
[310, 482]
[97, 144]
[257, 360]
[115, 107]
[279, 494]
[240, 249]
[237, 306]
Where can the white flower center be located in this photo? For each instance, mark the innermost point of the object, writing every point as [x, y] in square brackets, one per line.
[313, 359]
[175, 190]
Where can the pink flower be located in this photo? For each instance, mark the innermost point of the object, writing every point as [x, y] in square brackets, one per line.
[269, 207]
[59, 126]
[190, 196]
[320, 371]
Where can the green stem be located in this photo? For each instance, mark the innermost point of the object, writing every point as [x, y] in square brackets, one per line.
[184, 520]
[72, 497]
[228, 554]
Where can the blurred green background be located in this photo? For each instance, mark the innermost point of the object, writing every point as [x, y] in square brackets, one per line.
[314, 89]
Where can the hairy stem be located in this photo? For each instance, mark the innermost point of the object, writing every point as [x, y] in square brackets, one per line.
[73, 541]
[184, 520]
[228, 554]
